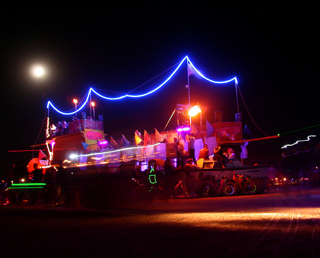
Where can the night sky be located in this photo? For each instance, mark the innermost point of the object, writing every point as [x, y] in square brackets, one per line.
[115, 49]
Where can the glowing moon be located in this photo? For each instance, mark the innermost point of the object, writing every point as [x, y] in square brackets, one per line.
[37, 71]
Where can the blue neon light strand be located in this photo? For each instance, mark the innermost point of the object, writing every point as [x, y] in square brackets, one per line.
[140, 95]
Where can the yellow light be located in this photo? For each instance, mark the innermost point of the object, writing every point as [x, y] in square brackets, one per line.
[194, 110]
[75, 101]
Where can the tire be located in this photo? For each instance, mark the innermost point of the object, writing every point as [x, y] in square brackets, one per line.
[180, 190]
[62, 199]
[14, 197]
[252, 188]
[229, 189]
[33, 196]
[206, 191]
[141, 192]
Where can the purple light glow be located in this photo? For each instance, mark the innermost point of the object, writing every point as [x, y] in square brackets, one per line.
[103, 143]
[183, 129]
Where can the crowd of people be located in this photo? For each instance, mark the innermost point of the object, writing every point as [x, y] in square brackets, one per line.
[61, 128]
[220, 157]
[187, 162]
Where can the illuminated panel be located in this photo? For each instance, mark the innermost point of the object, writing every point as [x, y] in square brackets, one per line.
[144, 94]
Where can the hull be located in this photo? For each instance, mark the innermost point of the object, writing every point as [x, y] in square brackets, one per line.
[258, 175]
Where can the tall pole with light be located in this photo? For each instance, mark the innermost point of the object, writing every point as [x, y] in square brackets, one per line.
[193, 112]
[93, 113]
[75, 101]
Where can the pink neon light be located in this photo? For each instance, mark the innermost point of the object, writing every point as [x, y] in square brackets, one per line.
[183, 129]
[103, 142]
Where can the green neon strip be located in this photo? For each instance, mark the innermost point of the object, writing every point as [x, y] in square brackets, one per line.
[154, 180]
[29, 184]
[26, 187]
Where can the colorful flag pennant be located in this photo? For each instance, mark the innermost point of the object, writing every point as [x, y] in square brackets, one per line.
[194, 129]
[191, 70]
[125, 142]
[209, 128]
[158, 136]
[85, 145]
[137, 138]
[146, 138]
[41, 155]
[113, 142]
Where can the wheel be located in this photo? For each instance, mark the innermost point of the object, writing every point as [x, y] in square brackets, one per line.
[141, 192]
[206, 191]
[62, 199]
[252, 188]
[52, 195]
[33, 196]
[180, 190]
[14, 196]
[229, 189]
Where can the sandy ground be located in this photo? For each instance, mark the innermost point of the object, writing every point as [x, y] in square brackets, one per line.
[275, 224]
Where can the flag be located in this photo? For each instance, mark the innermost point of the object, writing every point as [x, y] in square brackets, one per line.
[113, 142]
[191, 70]
[146, 138]
[137, 138]
[194, 129]
[209, 128]
[85, 145]
[247, 134]
[41, 155]
[125, 142]
[158, 136]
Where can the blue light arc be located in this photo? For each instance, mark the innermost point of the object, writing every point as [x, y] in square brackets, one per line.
[91, 90]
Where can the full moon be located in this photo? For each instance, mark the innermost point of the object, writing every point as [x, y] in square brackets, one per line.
[37, 71]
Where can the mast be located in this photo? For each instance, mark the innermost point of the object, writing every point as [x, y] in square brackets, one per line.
[236, 86]
[188, 87]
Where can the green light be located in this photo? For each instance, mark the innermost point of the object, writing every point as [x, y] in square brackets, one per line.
[152, 177]
[25, 187]
[153, 180]
[28, 184]
[305, 128]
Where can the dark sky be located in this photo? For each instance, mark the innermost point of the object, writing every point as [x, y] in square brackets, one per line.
[116, 48]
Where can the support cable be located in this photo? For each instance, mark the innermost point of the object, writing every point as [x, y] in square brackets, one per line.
[250, 114]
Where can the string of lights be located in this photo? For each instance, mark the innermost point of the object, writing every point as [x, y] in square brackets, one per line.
[91, 90]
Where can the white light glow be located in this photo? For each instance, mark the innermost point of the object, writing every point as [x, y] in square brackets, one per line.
[289, 145]
[37, 71]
